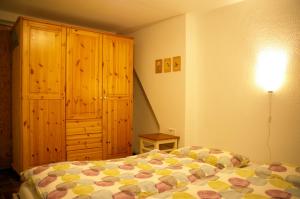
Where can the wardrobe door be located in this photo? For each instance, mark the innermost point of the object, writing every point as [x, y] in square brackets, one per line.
[84, 95]
[43, 98]
[84, 77]
[117, 92]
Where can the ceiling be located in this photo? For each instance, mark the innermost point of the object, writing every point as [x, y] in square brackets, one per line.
[112, 15]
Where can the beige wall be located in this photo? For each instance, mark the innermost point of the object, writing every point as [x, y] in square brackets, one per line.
[233, 110]
[193, 74]
[166, 91]
[8, 16]
[143, 118]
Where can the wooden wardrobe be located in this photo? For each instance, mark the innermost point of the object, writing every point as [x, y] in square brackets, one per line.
[72, 94]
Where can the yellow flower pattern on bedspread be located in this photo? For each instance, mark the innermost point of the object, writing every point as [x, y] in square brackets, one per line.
[160, 175]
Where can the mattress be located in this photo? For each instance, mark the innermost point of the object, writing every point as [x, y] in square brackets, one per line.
[186, 173]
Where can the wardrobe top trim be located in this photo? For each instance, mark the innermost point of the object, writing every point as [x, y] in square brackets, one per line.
[69, 26]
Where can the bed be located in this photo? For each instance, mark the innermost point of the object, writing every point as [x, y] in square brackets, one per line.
[189, 172]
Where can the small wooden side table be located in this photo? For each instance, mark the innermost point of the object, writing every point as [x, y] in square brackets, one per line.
[161, 141]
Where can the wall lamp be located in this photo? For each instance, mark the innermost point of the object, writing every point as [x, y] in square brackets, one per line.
[270, 74]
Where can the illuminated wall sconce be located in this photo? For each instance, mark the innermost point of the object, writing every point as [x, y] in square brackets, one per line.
[270, 73]
[271, 67]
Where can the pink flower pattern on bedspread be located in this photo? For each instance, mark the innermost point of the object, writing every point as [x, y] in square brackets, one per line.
[160, 175]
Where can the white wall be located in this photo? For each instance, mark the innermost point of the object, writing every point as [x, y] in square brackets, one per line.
[144, 120]
[193, 77]
[233, 110]
[166, 91]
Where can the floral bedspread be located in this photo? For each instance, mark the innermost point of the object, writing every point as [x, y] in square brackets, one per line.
[132, 177]
[252, 182]
[159, 175]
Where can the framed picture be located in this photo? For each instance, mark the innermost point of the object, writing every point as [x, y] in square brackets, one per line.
[158, 66]
[167, 65]
[176, 63]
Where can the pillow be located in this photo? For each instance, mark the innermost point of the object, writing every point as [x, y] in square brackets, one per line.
[215, 157]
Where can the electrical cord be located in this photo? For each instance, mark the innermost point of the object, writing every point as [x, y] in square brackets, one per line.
[270, 94]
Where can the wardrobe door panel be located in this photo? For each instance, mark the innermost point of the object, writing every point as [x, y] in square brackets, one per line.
[43, 98]
[46, 131]
[84, 75]
[117, 57]
[117, 92]
[44, 60]
[118, 127]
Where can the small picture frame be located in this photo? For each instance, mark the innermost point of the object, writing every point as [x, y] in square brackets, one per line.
[167, 65]
[158, 66]
[176, 63]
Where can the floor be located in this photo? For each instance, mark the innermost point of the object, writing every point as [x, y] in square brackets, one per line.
[9, 183]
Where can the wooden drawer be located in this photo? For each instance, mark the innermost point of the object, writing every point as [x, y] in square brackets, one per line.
[77, 126]
[83, 136]
[78, 144]
[87, 154]
[79, 130]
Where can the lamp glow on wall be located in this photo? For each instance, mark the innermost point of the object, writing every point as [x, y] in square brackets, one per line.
[271, 67]
[270, 74]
